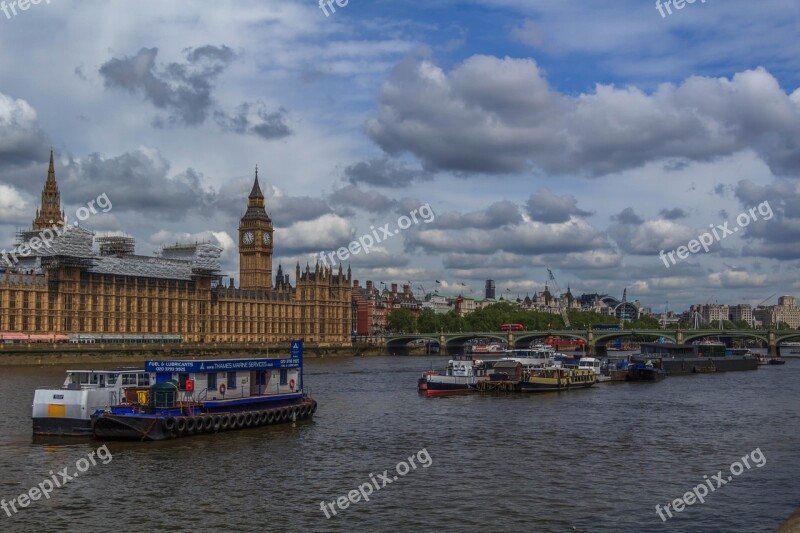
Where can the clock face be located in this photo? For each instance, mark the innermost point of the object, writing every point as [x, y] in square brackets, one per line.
[247, 238]
[266, 239]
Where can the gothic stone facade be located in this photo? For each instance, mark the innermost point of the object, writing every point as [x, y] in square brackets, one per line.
[67, 292]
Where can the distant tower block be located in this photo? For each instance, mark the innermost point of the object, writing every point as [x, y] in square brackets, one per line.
[490, 289]
[116, 246]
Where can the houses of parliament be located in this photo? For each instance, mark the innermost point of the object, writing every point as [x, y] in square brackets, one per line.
[70, 287]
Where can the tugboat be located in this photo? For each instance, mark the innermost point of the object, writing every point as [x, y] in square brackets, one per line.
[644, 371]
[461, 376]
[66, 412]
[202, 396]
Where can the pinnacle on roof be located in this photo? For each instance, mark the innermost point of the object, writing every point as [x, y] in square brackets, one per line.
[256, 192]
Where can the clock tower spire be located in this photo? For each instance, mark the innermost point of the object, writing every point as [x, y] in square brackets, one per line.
[255, 243]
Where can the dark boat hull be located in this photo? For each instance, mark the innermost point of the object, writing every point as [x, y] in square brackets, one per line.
[62, 427]
[438, 387]
[645, 374]
[151, 427]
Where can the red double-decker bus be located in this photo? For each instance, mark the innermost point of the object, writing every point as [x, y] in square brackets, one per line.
[512, 327]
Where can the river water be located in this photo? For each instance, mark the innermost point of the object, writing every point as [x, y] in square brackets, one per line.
[589, 460]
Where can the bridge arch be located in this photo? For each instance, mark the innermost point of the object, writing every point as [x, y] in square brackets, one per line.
[601, 338]
[400, 342]
[688, 337]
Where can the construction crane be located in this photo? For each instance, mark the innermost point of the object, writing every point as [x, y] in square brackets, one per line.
[759, 304]
[561, 309]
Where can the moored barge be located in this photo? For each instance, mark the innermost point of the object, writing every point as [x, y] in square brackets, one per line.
[202, 396]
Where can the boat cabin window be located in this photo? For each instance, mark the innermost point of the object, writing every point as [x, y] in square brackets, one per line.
[231, 380]
[212, 380]
[129, 379]
[98, 379]
[182, 378]
[79, 379]
[284, 376]
[143, 380]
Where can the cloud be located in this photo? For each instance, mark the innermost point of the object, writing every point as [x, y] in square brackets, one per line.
[651, 236]
[384, 173]
[137, 181]
[22, 140]
[287, 210]
[352, 196]
[256, 119]
[497, 215]
[737, 279]
[530, 33]
[181, 89]
[494, 115]
[325, 234]
[545, 206]
[528, 238]
[14, 209]
[772, 235]
[628, 216]
[184, 91]
[673, 214]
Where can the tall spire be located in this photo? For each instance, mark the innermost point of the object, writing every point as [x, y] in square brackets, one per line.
[51, 170]
[255, 203]
[256, 192]
[50, 212]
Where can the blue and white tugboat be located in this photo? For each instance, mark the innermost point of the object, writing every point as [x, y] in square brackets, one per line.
[67, 412]
[190, 397]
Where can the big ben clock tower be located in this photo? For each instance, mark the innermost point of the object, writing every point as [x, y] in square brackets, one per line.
[255, 243]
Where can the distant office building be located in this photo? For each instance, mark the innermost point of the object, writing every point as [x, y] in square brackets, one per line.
[741, 313]
[786, 312]
[490, 290]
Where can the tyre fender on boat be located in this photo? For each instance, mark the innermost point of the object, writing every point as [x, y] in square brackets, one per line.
[270, 417]
[208, 423]
[180, 424]
[169, 423]
[248, 419]
[224, 423]
[240, 420]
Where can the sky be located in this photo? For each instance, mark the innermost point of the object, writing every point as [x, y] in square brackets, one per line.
[586, 137]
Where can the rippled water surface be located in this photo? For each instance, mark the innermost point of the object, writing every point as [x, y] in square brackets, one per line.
[589, 460]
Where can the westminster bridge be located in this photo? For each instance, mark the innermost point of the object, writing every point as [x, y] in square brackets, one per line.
[593, 338]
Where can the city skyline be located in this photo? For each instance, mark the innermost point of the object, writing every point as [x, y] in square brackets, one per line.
[591, 172]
